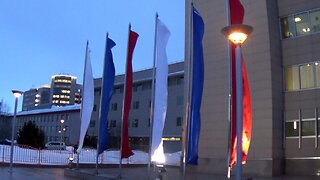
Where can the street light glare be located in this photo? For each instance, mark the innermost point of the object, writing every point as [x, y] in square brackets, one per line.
[237, 37]
[17, 93]
[62, 121]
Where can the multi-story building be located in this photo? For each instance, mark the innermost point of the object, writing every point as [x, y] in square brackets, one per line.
[37, 98]
[57, 123]
[282, 60]
[49, 120]
[139, 118]
[63, 90]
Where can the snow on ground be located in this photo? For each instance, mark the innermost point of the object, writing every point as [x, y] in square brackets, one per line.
[88, 156]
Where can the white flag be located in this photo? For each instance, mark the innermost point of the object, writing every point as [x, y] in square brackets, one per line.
[161, 93]
[87, 99]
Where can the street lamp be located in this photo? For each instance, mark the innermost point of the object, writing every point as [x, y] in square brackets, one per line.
[237, 34]
[16, 94]
[61, 121]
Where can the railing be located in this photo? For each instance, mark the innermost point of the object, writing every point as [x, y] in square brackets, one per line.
[29, 155]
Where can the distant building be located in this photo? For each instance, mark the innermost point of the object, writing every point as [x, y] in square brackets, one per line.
[49, 120]
[139, 117]
[37, 98]
[63, 90]
[5, 126]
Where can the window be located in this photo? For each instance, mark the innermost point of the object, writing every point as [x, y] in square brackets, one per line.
[179, 100]
[135, 123]
[306, 76]
[292, 129]
[315, 21]
[180, 80]
[302, 24]
[113, 123]
[92, 123]
[308, 128]
[146, 86]
[317, 73]
[178, 121]
[114, 106]
[97, 91]
[288, 27]
[292, 78]
[136, 105]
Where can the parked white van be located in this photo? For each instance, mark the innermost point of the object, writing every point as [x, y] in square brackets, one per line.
[55, 145]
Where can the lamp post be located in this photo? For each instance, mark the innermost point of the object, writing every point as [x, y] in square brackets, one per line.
[16, 94]
[61, 129]
[60, 132]
[237, 34]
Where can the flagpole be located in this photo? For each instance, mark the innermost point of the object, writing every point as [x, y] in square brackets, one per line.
[187, 111]
[239, 110]
[123, 102]
[101, 103]
[81, 106]
[229, 92]
[152, 90]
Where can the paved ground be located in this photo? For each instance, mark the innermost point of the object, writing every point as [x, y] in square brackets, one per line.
[142, 173]
[134, 173]
[25, 173]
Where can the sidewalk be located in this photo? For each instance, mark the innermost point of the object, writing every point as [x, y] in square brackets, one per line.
[172, 173]
[33, 173]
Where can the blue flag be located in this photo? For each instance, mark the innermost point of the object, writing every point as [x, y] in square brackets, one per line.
[106, 94]
[197, 88]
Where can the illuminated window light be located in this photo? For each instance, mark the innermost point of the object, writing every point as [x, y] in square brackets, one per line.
[295, 125]
[297, 19]
[306, 30]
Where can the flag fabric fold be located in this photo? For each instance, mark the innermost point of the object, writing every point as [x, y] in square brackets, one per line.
[161, 92]
[106, 94]
[125, 149]
[236, 17]
[87, 99]
[197, 88]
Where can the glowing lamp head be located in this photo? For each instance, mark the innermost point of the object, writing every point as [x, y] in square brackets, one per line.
[237, 37]
[62, 121]
[17, 93]
[237, 33]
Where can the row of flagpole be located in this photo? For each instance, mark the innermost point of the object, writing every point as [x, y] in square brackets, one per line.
[195, 78]
[159, 95]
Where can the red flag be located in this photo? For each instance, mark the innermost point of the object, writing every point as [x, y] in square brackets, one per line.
[125, 149]
[236, 17]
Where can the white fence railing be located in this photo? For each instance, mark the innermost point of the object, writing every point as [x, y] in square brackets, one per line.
[27, 155]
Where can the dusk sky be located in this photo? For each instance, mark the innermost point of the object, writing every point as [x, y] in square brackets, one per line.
[43, 38]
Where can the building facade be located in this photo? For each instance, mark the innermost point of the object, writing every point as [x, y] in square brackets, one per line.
[49, 119]
[139, 117]
[281, 58]
[63, 90]
[57, 123]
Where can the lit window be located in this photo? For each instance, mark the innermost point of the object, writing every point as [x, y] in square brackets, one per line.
[302, 26]
[292, 78]
[288, 27]
[317, 73]
[307, 76]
